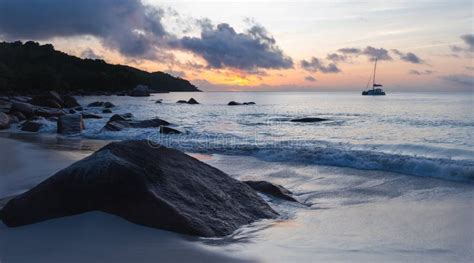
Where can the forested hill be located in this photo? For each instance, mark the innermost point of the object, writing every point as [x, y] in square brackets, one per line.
[33, 68]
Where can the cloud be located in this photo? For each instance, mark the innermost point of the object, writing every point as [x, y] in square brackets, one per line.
[349, 50]
[371, 52]
[221, 46]
[469, 68]
[468, 40]
[310, 79]
[89, 53]
[419, 73]
[376, 53]
[315, 65]
[461, 80]
[408, 57]
[129, 26]
[334, 57]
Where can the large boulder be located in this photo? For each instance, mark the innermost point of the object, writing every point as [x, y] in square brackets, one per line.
[140, 91]
[146, 184]
[4, 121]
[70, 124]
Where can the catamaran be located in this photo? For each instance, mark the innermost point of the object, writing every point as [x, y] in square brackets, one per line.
[376, 90]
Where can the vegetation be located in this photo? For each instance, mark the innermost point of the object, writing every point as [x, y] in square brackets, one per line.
[32, 68]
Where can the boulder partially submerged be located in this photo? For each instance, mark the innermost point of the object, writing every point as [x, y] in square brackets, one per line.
[31, 126]
[146, 184]
[234, 103]
[274, 190]
[121, 121]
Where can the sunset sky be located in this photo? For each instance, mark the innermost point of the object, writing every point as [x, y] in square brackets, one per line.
[263, 45]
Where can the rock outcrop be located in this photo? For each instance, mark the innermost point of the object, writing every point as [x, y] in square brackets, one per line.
[146, 184]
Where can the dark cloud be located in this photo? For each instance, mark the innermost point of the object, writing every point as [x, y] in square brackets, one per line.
[310, 79]
[371, 52]
[350, 50]
[419, 73]
[408, 57]
[334, 57]
[221, 46]
[89, 53]
[469, 41]
[315, 65]
[461, 80]
[376, 53]
[129, 26]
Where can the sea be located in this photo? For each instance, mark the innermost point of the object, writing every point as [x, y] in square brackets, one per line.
[382, 179]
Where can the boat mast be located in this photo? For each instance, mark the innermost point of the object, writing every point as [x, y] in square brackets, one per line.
[375, 68]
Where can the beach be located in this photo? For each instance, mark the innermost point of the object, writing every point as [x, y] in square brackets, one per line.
[346, 215]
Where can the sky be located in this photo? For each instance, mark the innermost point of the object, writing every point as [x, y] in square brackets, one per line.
[263, 45]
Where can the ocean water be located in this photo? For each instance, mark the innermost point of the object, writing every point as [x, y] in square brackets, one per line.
[386, 179]
[420, 134]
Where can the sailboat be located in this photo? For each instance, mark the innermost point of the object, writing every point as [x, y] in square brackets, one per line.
[376, 88]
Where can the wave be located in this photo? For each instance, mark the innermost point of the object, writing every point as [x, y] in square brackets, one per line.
[331, 154]
[408, 159]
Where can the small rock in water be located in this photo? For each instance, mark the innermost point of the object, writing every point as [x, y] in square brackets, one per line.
[147, 184]
[181, 101]
[168, 130]
[31, 126]
[88, 115]
[106, 111]
[70, 124]
[310, 119]
[108, 105]
[192, 101]
[96, 104]
[121, 117]
[271, 189]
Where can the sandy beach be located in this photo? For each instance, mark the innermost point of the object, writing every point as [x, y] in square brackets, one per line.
[429, 220]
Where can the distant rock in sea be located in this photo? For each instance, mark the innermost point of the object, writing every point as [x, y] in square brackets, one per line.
[146, 184]
[234, 103]
[309, 119]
